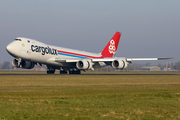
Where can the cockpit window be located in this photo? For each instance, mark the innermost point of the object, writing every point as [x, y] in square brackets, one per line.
[17, 39]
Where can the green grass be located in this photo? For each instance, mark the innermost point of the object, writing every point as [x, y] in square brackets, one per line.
[97, 97]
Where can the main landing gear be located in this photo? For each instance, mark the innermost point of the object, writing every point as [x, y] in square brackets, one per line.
[51, 71]
[64, 71]
[70, 71]
[74, 72]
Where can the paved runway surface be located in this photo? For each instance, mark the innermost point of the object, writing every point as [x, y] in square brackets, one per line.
[87, 74]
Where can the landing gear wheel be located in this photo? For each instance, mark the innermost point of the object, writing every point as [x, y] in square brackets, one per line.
[63, 71]
[50, 71]
[78, 72]
[74, 72]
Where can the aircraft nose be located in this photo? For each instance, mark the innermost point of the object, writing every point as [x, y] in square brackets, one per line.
[9, 48]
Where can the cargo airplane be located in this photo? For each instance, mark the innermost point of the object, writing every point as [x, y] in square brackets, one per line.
[28, 53]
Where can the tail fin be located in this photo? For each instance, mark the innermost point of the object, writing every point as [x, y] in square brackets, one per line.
[111, 47]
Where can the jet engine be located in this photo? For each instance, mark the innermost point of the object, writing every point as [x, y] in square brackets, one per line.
[120, 64]
[23, 64]
[84, 65]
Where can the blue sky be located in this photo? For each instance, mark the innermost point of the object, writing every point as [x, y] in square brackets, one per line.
[149, 28]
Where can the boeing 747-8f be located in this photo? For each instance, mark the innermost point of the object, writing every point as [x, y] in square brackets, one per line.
[28, 53]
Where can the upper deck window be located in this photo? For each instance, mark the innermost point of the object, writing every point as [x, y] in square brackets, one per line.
[17, 39]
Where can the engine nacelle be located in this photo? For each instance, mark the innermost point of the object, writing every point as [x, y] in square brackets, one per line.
[15, 63]
[24, 64]
[84, 65]
[120, 64]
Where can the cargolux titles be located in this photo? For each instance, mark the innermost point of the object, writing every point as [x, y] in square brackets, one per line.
[44, 50]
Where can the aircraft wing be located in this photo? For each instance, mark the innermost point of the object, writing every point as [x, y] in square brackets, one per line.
[66, 60]
[127, 59]
[62, 60]
[70, 60]
[142, 59]
[104, 60]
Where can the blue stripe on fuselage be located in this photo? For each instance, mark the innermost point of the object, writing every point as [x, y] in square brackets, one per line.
[72, 55]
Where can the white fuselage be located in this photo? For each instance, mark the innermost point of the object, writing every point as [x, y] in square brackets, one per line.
[38, 52]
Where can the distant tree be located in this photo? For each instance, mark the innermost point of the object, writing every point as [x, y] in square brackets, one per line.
[0, 65]
[128, 68]
[6, 65]
[135, 66]
[177, 66]
[148, 64]
[161, 66]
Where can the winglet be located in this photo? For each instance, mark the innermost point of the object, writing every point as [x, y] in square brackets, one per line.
[111, 48]
[164, 58]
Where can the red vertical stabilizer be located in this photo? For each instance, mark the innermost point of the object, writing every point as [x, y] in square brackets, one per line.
[111, 48]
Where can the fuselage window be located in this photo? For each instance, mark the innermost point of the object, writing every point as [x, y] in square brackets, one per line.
[17, 39]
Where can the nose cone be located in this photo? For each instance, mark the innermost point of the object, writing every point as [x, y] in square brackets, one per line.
[10, 49]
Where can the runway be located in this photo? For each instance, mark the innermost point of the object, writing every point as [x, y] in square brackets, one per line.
[84, 74]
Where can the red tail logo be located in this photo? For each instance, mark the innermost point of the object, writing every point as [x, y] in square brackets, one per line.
[111, 47]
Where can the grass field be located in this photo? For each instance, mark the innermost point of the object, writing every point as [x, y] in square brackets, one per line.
[81, 97]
